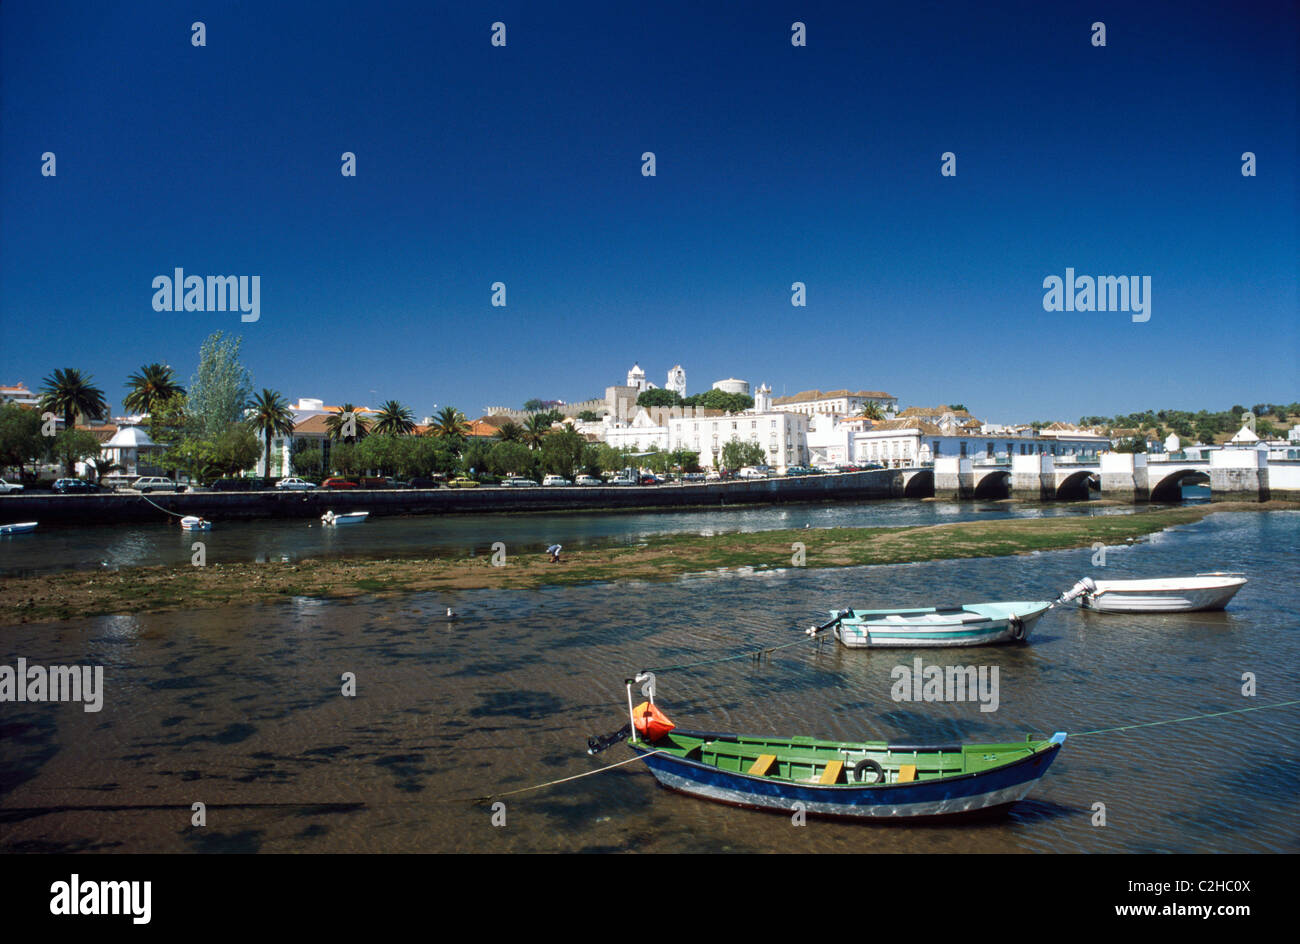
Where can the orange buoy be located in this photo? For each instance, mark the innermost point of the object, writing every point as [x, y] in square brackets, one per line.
[651, 723]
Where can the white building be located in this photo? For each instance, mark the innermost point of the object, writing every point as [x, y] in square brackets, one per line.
[910, 442]
[830, 440]
[732, 385]
[783, 436]
[836, 402]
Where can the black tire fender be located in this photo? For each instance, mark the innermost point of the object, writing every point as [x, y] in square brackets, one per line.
[868, 766]
[1017, 628]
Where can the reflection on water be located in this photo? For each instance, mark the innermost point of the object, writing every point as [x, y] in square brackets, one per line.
[241, 708]
[112, 546]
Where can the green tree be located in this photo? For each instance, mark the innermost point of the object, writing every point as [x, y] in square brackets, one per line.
[154, 384]
[71, 446]
[168, 421]
[871, 410]
[654, 398]
[307, 459]
[510, 458]
[21, 441]
[343, 459]
[271, 417]
[588, 416]
[220, 389]
[510, 431]
[720, 400]
[537, 426]
[450, 424]
[235, 450]
[381, 452]
[347, 425]
[562, 452]
[474, 457]
[534, 405]
[1132, 444]
[394, 420]
[69, 394]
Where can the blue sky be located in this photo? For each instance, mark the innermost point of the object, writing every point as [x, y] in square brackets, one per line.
[775, 164]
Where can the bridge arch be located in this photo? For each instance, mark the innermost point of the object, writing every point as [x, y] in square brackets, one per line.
[920, 485]
[1169, 488]
[1077, 486]
[995, 484]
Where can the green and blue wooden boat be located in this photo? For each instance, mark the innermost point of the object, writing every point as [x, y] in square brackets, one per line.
[872, 780]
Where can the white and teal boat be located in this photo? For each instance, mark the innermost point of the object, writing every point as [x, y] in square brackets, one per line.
[973, 624]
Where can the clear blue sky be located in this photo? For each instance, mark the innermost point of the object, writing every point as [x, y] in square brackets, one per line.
[775, 164]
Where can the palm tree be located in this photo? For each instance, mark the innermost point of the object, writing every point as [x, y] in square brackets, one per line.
[510, 431]
[154, 384]
[336, 423]
[538, 425]
[271, 417]
[394, 420]
[872, 411]
[69, 393]
[450, 423]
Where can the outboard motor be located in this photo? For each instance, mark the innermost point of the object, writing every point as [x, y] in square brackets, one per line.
[1084, 586]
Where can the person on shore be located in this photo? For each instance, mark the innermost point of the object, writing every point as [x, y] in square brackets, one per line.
[554, 551]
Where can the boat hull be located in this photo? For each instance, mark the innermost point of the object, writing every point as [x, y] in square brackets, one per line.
[874, 630]
[21, 527]
[352, 517]
[964, 795]
[1135, 598]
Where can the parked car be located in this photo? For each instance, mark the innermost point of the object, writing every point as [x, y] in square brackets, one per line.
[235, 485]
[755, 472]
[556, 480]
[74, 487]
[462, 481]
[294, 484]
[336, 482]
[425, 483]
[651, 480]
[155, 483]
[714, 476]
[586, 480]
[7, 487]
[396, 483]
[515, 481]
[622, 480]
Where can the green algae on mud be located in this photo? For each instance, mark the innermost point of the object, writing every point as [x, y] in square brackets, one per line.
[154, 589]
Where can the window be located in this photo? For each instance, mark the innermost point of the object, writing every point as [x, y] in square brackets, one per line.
[963, 449]
[937, 450]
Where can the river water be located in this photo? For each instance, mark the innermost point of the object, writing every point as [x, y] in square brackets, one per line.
[240, 709]
[47, 550]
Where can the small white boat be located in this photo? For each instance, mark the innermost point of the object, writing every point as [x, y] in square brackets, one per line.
[975, 624]
[20, 528]
[195, 523]
[1156, 595]
[350, 517]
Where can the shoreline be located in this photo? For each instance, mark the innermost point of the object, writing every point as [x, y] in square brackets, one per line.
[80, 594]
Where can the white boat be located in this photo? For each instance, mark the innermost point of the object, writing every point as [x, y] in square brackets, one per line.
[1156, 595]
[195, 523]
[975, 624]
[350, 517]
[19, 528]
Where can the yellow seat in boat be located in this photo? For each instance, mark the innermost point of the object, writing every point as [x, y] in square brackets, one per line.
[832, 772]
[906, 773]
[762, 765]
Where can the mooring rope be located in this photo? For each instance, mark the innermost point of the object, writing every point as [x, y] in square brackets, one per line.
[551, 783]
[745, 654]
[161, 508]
[1212, 714]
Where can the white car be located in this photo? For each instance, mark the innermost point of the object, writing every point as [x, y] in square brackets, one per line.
[713, 477]
[755, 472]
[6, 488]
[556, 480]
[517, 482]
[294, 483]
[586, 480]
[155, 483]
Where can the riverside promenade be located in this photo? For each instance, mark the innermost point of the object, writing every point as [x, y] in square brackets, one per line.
[131, 507]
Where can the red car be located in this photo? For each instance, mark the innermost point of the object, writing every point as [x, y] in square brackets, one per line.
[338, 483]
